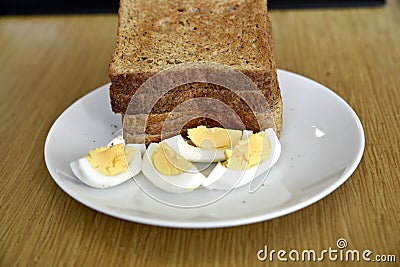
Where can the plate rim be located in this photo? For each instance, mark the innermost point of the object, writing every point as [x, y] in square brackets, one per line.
[218, 223]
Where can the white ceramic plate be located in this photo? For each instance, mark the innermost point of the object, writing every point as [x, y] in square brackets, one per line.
[322, 144]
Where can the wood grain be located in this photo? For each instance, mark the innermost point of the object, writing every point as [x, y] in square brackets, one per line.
[47, 62]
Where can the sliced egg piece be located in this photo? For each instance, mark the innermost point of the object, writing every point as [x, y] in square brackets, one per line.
[208, 146]
[232, 173]
[106, 167]
[214, 138]
[120, 140]
[193, 153]
[169, 171]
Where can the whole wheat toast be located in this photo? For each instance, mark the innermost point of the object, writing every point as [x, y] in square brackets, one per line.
[155, 35]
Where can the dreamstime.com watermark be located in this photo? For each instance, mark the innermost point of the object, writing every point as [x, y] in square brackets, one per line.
[338, 253]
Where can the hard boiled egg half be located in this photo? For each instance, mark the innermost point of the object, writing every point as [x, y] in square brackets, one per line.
[168, 170]
[109, 166]
[254, 155]
[205, 144]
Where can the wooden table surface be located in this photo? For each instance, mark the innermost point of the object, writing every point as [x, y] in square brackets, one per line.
[48, 62]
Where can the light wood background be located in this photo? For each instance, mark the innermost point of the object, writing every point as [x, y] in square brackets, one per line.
[47, 62]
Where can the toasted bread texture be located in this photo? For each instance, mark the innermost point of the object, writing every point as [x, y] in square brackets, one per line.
[155, 35]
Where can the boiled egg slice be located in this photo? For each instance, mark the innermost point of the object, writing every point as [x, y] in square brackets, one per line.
[109, 166]
[169, 171]
[205, 144]
[254, 155]
[120, 140]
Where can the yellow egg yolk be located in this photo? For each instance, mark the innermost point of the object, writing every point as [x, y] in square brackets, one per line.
[248, 153]
[214, 138]
[110, 160]
[168, 162]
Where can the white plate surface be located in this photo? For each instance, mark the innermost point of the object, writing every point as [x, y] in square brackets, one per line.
[322, 144]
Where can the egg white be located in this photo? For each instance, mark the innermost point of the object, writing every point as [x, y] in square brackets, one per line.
[181, 183]
[120, 140]
[197, 154]
[89, 176]
[222, 178]
[193, 153]
[117, 140]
